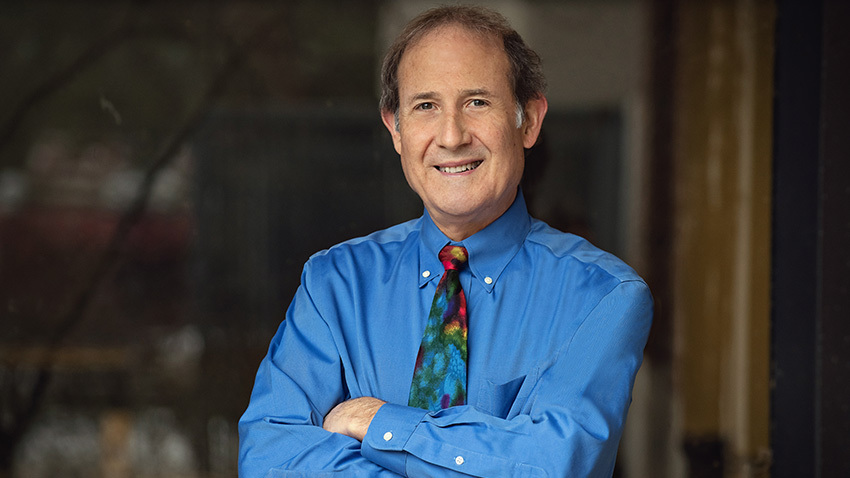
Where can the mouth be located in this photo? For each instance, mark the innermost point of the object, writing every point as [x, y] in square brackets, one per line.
[460, 168]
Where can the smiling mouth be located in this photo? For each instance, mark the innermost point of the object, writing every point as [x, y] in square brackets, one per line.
[459, 169]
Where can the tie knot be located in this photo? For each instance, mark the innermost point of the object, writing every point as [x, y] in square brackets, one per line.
[453, 257]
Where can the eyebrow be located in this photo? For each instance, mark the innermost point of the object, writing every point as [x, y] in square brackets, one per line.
[427, 95]
[476, 92]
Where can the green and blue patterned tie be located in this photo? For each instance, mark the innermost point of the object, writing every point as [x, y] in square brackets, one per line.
[439, 378]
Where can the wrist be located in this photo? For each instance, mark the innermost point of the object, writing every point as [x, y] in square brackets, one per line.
[352, 417]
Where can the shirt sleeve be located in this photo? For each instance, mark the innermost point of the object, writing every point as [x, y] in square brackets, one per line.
[298, 382]
[570, 424]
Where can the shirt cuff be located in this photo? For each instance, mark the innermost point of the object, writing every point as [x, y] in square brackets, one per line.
[388, 432]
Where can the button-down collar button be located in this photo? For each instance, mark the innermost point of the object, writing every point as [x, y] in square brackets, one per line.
[459, 460]
[388, 436]
[426, 274]
[488, 280]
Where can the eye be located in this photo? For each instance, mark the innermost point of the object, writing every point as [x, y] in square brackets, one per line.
[425, 106]
[478, 103]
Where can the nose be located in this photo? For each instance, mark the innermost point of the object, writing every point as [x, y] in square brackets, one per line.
[453, 131]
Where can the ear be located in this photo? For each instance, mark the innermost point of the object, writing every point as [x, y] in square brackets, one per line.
[535, 111]
[388, 117]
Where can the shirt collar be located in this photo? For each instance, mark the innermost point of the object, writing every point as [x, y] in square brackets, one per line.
[489, 249]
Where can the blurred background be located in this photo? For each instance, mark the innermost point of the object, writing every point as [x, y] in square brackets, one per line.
[166, 167]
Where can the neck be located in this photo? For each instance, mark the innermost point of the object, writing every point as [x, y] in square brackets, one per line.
[460, 228]
[460, 232]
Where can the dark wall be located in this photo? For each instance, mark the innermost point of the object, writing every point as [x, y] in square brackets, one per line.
[811, 285]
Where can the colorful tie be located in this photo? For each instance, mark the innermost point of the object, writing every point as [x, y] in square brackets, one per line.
[439, 378]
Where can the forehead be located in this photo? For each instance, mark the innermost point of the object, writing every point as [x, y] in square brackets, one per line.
[454, 53]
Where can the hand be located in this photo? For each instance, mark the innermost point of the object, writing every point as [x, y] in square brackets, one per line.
[352, 417]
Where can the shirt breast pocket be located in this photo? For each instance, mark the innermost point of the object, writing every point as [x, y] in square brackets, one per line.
[508, 399]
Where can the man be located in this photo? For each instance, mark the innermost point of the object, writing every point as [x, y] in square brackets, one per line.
[539, 334]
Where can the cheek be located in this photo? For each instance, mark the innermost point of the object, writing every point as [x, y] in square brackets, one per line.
[412, 167]
[503, 134]
[413, 141]
[410, 176]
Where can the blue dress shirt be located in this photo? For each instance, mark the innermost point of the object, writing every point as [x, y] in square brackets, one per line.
[557, 329]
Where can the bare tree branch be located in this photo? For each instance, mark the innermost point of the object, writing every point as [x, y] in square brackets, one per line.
[9, 436]
[111, 41]
[63, 77]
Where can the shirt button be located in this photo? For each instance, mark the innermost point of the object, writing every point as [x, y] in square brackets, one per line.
[459, 460]
[488, 280]
[388, 436]
[426, 274]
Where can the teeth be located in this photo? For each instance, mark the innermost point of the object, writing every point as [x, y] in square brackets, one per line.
[460, 169]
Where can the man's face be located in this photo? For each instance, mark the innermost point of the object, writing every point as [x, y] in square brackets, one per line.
[460, 146]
